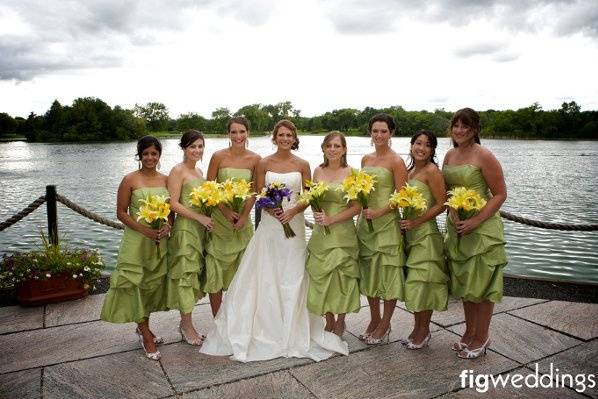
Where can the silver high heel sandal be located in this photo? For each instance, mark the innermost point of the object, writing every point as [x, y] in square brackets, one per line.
[424, 343]
[157, 340]
[150, 355]
[194, 342]
[458, 346]
[370, 340]
[467, 353]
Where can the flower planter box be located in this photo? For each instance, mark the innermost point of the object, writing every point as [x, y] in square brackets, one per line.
[58, 288]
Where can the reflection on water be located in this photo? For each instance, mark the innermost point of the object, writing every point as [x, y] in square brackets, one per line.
[547, 180]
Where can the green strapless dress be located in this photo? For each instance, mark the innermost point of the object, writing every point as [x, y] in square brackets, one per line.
[426, 287]
[185, 257]
[476, 260]
[381, 255]
[332, 262]
[225, 246]
[137, 284]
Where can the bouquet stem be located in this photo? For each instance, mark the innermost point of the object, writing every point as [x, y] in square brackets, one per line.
[318, 208]
[369, 221]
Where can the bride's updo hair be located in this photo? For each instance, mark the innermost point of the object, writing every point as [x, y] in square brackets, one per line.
[289, 125]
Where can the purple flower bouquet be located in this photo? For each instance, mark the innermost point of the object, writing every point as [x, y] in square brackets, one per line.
[271, 197]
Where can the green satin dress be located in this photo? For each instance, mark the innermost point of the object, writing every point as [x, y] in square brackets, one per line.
[332, 261]
[475, 260]
[381, 254]
[225, 246]
[426, 287]
[185, 257]
[137, 284]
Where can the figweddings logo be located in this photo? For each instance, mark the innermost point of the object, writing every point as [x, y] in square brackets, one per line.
[553, 379]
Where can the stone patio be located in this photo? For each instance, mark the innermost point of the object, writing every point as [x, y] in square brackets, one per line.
[64, 351]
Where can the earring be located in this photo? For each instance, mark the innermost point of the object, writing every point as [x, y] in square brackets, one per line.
[230, 143]
[390, 142]
[371, 142]
[158, 166]
[139, 165]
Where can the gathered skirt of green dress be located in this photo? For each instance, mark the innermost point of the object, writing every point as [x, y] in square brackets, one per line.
[426, 286]
[137, 284]
[476, 261]
[225, 246]
[185, 259]
[332, 265]
[381, 251]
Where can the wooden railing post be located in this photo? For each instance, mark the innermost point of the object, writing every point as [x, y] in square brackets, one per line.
[52, 215]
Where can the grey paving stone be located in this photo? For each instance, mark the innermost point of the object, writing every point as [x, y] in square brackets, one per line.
[189, 370]
[402, 323]
[21, 384]
[271, 386]
[49, 346]
[582, 359]
[577, 319]
[454, 313]
[521, 340]
[17, 318]
[85, 309]
[122, 375]
[391, 371]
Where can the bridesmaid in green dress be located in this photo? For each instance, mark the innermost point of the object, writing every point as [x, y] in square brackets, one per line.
[381, 255]
[475, 246]
[332, 259]
[232, 231]
[426, 287]
[186, 243]
[137, 284]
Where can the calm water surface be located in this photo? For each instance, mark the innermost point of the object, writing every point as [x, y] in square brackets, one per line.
[547, 180]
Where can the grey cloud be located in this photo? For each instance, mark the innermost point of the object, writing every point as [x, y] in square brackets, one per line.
[478, 49]
[70, 34]
[561, 16]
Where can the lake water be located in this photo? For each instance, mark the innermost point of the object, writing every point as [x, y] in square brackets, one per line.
[546, 180]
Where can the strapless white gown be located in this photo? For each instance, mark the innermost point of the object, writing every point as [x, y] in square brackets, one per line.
[264, 313]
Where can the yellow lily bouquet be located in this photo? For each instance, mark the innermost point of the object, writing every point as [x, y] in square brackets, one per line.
[154, 211]
[409, 200]
[357, 187]
[234, 192]
[312, 194]
[466, 202]
[206, 196]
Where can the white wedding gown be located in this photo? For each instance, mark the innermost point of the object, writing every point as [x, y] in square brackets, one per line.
[264, 313]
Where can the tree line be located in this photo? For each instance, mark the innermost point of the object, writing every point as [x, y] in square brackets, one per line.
[91, 119]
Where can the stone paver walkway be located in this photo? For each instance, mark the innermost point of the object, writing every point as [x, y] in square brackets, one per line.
[64, 351]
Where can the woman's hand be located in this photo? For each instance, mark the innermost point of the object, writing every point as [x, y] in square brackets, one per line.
[454, 216]
[409, 224]
[205, 221]
[372, 213]
[322, 219]
[229, 214]
[240, 223]
[286, 216]
[274, 212]
[150, 233]
[467, 226]
[164, 231]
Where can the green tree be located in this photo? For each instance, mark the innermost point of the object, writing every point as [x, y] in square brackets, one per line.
[220, 118]
[155, 115]
[7, 124]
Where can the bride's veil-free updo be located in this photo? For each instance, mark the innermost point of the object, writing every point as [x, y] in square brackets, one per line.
[289, 125]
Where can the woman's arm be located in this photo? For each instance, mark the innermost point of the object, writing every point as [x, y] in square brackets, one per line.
[399, 173]
[123, 198]
[286, 216]
[493, 174]
[175, 184]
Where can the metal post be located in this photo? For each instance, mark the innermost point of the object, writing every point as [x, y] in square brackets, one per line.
[52, 215]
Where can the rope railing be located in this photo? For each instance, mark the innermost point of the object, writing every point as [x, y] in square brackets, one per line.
[117, 225]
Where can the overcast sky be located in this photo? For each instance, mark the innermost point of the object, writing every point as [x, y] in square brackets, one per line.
[196, 56]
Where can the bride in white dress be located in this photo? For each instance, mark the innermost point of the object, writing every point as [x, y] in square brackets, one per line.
[264, 313]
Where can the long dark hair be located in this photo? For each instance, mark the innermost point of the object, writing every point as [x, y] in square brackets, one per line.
[146, 142]
[433, 144]
[330, 136]
[468, 117]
